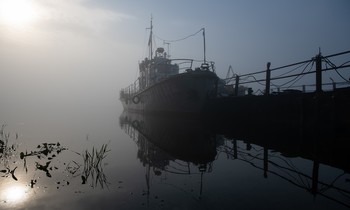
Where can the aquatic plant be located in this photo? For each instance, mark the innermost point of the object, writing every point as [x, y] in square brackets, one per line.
[93, 166]
[7, 151]
[90, 167]
[44, 150]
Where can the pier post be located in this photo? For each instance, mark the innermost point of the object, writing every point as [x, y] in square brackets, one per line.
[266, 161]
[315, 170]
[235, 151]
[268, 77]
[236, 85]
[318, 60]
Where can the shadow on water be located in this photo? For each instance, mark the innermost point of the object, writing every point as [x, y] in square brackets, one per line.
[171, 144]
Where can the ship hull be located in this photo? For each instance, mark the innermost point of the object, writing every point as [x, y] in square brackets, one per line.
[182, 93]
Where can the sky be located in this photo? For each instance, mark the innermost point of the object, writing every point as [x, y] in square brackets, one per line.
[79, 53]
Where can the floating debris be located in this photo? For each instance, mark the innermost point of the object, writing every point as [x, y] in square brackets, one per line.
[32, 183]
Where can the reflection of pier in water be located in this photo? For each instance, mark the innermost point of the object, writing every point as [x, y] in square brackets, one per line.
[280, 145]
[311, 159]
[274, 163]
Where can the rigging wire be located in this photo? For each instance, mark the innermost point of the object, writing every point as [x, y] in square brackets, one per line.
[177, 40]
[336, 68]
[292, 70]
[258, 91]
[299, 76]
[255, 80]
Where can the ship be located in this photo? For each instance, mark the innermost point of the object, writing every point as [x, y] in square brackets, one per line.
[167, 85]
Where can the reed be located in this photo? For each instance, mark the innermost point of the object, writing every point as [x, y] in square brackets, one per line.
[93, 167]
[90, 169]
[7, 151]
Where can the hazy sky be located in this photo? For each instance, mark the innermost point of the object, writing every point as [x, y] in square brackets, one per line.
[81, 52]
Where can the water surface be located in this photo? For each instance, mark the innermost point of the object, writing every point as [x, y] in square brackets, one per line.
[167, 162]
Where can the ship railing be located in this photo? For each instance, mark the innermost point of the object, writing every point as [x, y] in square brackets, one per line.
[131, 90]
[186, 65]
[317, 74]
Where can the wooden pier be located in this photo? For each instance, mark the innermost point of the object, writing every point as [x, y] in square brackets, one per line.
[288, 103]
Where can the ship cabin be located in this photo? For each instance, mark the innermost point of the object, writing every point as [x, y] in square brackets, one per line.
[157, 69]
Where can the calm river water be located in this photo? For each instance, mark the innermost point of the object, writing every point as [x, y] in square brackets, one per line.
[108, 159]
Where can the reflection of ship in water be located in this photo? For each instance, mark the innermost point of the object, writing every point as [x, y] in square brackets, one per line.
[171, 145]
[310, 159]
[183, 139]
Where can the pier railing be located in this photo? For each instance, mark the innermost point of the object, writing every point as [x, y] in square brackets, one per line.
[296, 77]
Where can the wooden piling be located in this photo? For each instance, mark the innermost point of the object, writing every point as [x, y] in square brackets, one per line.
[266, 161]
[235, 149]
[236, 85]
[318, 60]
[315, 171]
[268, 77]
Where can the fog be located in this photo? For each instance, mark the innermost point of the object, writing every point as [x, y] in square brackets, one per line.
[68, 60]
[63, 63]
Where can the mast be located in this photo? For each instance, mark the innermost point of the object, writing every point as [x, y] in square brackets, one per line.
[150, 44]
[205, 59]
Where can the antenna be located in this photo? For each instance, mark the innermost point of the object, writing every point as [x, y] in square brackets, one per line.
[205, 59]
[168, 50]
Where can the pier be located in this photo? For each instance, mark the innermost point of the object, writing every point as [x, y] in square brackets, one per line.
[279, 97]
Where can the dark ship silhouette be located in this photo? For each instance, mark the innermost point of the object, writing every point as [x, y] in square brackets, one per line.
[170, 85]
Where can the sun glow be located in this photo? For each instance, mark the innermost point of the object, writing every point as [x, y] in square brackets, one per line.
[15, 194]
[17, 13]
